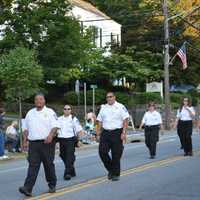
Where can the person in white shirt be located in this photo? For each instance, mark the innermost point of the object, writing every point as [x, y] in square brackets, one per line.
[12, 137]
[91, 116]
[152, 121]
[41, 127]
[70, 128]
[184, 117]
[112, 123]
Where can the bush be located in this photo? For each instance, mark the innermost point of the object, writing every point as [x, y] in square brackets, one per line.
[145, 98]
[123, 98]
[100, 96]
[72, 98]
[126, 99]
[176, 97]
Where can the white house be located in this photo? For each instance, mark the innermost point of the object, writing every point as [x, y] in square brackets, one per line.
[106, 29]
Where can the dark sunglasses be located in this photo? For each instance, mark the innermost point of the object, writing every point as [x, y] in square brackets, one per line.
[67, 108]
[109, 97]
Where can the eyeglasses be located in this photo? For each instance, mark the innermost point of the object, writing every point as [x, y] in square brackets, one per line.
[109, 97]
[151, 105]
[67, 108]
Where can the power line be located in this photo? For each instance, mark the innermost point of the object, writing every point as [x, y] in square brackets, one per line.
[192, 25]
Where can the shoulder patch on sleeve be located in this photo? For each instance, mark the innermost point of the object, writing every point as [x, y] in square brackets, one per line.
[55, 116]
[124, 108]
[75, 119]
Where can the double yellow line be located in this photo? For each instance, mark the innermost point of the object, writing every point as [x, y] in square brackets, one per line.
[93, 182]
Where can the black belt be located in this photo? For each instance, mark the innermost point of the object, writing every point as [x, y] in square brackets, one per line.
[185, 120]
[36, 140]
[152, 126]
[114, 130]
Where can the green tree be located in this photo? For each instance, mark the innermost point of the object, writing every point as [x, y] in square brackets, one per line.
[142, 27]
[21, 75]
[45, 27]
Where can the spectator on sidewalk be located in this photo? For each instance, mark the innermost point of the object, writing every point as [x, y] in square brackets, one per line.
[90, 129]
[2, 136]
[12, 137]
[91, 116]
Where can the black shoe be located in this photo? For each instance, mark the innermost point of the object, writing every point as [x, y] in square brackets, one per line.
[115, 178]
[152, 157]
[67, 177]
[185, 154]
[109, 176]
[190, 153]
[52, 189]
[25, 191]
[73, 173]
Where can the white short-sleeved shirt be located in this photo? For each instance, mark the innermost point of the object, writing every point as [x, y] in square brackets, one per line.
[184, 114]
[40, 123]
[112, 116]
[23, 124]
[69, 126]
[11, 131]
[152, 118]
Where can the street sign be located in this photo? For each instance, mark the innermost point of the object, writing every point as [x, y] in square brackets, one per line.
[51, 82]
[155, 87]
[93, 86]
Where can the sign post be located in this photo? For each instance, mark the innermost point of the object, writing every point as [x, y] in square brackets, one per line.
[77, 90]
[85, 99]
[93, 87]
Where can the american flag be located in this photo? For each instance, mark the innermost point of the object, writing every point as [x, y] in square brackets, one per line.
[183, 56]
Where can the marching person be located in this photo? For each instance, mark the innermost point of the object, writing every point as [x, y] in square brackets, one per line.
[41, 126]
[152, 122]
[70, 128]
[112, 123]
[184, 117]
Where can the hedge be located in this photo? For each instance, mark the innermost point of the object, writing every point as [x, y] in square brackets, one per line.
[127, 99]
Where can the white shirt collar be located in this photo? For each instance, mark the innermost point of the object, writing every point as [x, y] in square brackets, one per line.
[114, 104]
[43, 109]
[67, 117]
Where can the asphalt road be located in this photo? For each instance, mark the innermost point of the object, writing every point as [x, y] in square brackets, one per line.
[168, 177]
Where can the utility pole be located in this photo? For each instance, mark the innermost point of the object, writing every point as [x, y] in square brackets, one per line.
[166, 65]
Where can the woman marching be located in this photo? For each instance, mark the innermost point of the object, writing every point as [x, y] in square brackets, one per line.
[70, 128]
[152, 122]
[184, 125]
